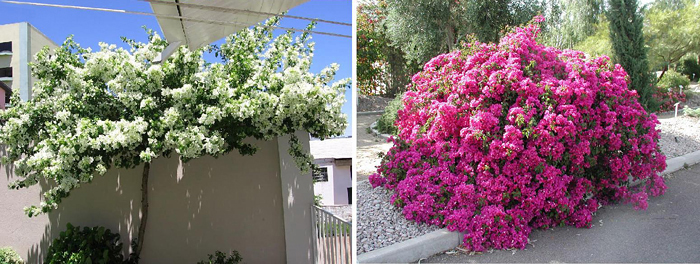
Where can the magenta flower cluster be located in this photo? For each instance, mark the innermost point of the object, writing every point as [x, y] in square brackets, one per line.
[496, 140]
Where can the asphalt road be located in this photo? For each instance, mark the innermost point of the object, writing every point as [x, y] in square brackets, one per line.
[668, 231]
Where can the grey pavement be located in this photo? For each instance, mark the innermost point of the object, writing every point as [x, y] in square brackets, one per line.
[668, 231]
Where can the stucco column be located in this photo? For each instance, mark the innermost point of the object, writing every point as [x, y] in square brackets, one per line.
[297, 198]
[25, 56]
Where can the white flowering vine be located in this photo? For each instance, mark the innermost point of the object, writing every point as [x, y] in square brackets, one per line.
[92, 111]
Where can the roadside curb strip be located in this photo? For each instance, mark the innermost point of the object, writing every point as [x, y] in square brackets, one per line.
[442, 240]
[677, 163]
[370, 113]
[413, 249]
[375, 132]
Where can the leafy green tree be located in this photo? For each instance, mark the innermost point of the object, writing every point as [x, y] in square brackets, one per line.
[570, 22]
[672, 30]
[92, 111]
[597, 44]
[426, 28]
[628, 46]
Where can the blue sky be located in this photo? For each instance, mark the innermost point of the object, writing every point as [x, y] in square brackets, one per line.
[91, 27]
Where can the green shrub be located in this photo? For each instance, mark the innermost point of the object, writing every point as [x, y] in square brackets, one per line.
[221, 258]
[692, 112]
[385, 123]
[9, 256]
[674, 80]
[89, 245]
[690, 68]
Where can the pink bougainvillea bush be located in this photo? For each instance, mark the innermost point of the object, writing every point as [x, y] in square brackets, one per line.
[497, 140]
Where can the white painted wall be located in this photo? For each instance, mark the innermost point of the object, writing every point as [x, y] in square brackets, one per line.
[341, 182]
[334, 191]
[325, 189]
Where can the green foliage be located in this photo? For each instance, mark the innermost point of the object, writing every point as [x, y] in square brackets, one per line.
[568, 23]
[9, 256]
[597, 44]
[426, 28]
[317, 199]
[690, 67]
[385, 123]
[89, 245]
[221, 258]
[671, 31]
[674, 80]
[626, 25]
[692, 112]
[371, 48]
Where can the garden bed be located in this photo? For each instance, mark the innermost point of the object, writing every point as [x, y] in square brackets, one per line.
[679, 136]
[380, 224]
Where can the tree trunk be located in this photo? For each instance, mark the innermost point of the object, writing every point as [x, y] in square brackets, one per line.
[662, 74]
[144, 209]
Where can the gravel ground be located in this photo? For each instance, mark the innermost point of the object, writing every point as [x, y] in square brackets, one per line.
[342, 211]
[380, 224]
[679, 136]
[366, 103]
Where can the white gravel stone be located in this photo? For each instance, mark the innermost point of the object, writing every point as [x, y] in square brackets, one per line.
[679, 136]
[380, 224]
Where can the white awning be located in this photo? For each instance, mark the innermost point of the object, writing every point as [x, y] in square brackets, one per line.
[196, 32]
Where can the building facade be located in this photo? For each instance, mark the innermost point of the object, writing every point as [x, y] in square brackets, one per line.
[334, 180]
[19, 42]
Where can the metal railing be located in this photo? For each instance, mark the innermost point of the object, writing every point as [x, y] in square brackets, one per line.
[332, 237]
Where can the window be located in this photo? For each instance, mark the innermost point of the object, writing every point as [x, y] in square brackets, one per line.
[320, 175]
[6, 72]
[6, 46]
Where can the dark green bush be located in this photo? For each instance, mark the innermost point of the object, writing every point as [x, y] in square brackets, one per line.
[89, 245]
[9, 256]
[673, 80]
[385, 123]
[690, 68]
[221, 258]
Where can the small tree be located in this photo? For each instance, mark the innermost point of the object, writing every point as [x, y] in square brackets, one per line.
[92, 111]
[628, 45]
[672, 31]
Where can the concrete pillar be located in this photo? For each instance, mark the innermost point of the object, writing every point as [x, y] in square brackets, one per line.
[297, 198]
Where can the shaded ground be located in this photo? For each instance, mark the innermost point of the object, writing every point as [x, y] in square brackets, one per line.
[667, 231]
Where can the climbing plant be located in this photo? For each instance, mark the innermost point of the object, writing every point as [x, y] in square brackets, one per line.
[117, 108]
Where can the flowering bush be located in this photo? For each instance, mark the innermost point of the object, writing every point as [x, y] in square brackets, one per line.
[117, 108]
[668, 91]
[668, 98]
[496, 140]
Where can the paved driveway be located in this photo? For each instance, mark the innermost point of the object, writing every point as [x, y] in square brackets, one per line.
[368, 147]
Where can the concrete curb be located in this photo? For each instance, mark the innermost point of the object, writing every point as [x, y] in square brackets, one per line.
[677, 163]
[413, 249]
[442, 240]
[375, 132]
[370, 113]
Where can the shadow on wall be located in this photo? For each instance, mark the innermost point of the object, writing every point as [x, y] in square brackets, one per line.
[230, 203]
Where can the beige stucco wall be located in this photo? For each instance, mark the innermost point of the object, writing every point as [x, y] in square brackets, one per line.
[10, 32]
[230, 203]
[38, 41]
